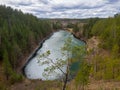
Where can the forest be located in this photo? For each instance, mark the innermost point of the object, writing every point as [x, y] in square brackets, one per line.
[105, 61]
[19, 35]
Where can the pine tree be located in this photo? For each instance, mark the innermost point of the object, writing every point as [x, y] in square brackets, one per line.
[6, 65]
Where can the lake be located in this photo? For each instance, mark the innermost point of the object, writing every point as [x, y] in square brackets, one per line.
[34, 70]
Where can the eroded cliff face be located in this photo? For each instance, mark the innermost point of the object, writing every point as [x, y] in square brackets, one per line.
[92, 44]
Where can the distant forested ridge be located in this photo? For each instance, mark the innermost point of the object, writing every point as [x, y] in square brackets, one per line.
[19, 33]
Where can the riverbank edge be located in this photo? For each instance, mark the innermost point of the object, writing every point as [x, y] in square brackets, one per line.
[34, 52]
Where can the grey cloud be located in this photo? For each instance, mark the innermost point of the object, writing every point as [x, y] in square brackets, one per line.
[44, 1]
[113, 1]
[20, 3]
[24, 4]
[39, 10]
[80, 6]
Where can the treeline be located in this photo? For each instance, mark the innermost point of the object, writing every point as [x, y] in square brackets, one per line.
[19, 33]
[75, 26]
[83, 27]
[87, 28]
[105, 66]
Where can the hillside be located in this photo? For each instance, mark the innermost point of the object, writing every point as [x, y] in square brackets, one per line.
[19, 35]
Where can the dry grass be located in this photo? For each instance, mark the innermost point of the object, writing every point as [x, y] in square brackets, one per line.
[96, 85]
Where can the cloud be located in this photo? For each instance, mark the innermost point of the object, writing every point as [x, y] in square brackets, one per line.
[113, 1]
[66, 8]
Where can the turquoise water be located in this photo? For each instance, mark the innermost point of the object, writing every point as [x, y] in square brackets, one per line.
[35, 70]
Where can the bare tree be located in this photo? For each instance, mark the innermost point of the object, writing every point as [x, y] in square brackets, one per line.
[73, 54]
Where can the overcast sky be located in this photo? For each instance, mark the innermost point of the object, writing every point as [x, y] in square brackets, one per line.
[66, 8]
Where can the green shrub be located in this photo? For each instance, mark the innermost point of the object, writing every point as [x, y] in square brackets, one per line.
[118, 78]
[2, 87]
[16, 78]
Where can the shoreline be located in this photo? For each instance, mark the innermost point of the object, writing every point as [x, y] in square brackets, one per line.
[33, 54]
[78, 37]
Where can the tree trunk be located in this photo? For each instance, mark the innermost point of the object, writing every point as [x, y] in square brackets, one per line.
[65, 83]
[66, 78]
